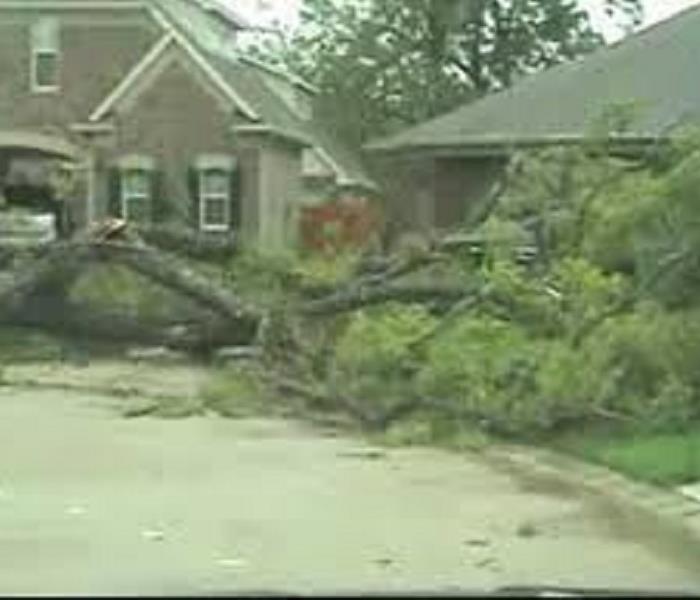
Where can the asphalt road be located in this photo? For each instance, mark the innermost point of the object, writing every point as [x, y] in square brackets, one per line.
[94, 504]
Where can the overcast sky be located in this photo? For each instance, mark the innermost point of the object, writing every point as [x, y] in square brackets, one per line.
[266, 11]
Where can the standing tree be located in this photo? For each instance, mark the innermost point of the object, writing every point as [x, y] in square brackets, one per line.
[384, 64]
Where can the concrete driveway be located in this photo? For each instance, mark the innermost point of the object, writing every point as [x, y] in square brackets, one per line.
[94, 504]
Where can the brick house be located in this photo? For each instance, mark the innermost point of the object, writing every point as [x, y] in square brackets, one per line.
[161, 117]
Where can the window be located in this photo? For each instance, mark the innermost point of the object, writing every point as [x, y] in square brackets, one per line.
[214, 192]
[136, 195]
[214, 199]
[132, 198]
[45, 56]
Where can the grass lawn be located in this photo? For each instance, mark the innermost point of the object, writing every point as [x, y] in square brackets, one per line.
[661, 459]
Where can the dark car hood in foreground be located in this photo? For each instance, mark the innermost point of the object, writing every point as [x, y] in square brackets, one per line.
[508, 592]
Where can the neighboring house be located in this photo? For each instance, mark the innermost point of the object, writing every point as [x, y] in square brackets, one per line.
[161, 117]
[441, 169]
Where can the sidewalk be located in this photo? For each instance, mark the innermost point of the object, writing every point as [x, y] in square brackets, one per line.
[661, 511]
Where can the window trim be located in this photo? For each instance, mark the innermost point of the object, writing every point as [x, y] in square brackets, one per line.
[45, 41]
[37, 87]
[203, 198]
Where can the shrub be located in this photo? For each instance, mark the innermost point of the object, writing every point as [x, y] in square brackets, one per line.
[321, 269]
[234, 393]
[486, 368]
[528, 301]
[113, 286]
[374, 358]
[649, 360]
[265, 280]
[379, 340]
[586, 291]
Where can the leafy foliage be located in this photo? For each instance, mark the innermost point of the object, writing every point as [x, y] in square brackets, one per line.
[379, 341]
[588, 331]
[373, 357]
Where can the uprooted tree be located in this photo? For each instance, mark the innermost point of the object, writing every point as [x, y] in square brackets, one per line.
[574, 300]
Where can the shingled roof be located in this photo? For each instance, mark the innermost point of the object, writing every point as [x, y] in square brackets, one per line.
[257, 85]
[262, 86]
[655, 70]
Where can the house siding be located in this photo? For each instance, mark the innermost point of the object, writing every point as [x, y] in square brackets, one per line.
[250, 192]
[96, 52]
[409, 192]
[280, 195]
[425, 194]
[460, 186]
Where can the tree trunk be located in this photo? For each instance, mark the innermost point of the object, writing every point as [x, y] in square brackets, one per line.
[346, 301]
[34, 293]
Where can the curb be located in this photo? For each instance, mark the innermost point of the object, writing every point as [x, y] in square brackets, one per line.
[661, 512]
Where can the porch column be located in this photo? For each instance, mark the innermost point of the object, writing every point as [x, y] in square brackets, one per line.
[96, 140]
[271, 171]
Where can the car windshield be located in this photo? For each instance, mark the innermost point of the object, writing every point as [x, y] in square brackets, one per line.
[305, 297]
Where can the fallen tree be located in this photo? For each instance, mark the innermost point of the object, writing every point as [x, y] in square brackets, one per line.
[34, 293]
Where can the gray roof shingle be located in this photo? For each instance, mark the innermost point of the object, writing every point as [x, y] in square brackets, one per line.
[655, 70]
[257, 86]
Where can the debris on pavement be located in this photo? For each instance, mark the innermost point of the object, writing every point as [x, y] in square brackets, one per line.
[368, 454]
[385, 562]
[692, 492]
[153, 535]
[527, 530]
[486, 562]
[232, 563]
[478, 543]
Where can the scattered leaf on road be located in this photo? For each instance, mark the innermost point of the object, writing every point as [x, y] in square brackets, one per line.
[153, 535]
[232, 563]
[366, 454]
[385, 562]
[527, 530]
[478, 543]
[486, 562]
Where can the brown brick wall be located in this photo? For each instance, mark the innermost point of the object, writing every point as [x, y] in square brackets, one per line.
[460, 185]
[409, 188]
[174, 121]
[424, 194]
[93, 61]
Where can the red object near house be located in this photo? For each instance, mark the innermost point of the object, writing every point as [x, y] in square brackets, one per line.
[344, 224]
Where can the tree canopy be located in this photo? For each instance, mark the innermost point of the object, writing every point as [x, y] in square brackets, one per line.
[381, 65]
